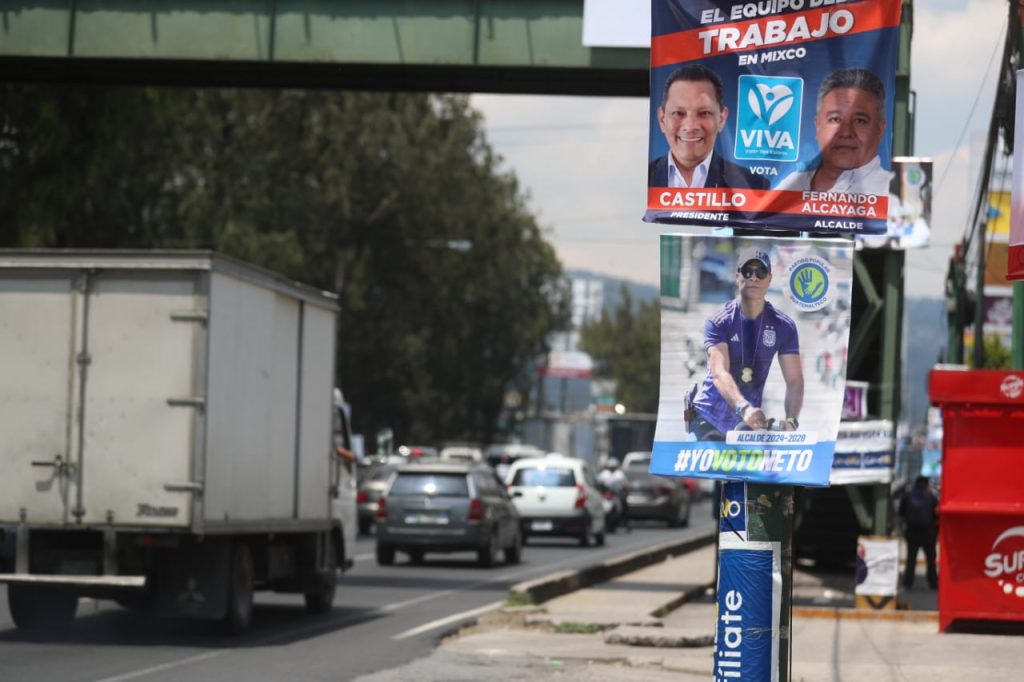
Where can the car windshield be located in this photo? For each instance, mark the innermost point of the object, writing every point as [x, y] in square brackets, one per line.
[448, 485]
[550, 478]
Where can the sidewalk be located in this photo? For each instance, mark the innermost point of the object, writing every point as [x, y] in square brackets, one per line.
[633, 629]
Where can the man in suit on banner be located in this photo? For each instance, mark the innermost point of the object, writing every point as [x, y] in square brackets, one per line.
[691, 115]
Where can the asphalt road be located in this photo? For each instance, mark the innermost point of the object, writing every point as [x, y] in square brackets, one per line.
[383, 617]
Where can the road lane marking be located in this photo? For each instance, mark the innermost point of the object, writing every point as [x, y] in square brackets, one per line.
[383, 610]
[164, 666]
[454, 618]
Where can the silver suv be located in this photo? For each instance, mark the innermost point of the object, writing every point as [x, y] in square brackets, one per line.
[447, 507]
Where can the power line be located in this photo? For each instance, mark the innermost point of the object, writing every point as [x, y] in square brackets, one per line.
[974, 106]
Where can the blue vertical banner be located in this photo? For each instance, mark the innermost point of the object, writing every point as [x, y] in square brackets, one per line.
[732, 518]
[774, 114]
[749, 610]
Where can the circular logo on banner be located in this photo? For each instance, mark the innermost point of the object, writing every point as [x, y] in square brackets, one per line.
[730, 508]
[809, 283]
[913, 176]
[1005, 564]
[1012, 386]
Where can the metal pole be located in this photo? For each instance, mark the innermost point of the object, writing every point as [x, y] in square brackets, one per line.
[979, 299]
[1017, 359]
[753, 635]
[1017, 340]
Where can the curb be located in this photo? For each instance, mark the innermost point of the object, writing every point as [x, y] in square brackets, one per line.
[849, 613]
[540, 590]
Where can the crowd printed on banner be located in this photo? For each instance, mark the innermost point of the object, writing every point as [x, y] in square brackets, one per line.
[743, 459]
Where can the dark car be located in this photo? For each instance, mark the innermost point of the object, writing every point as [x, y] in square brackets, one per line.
[655, 498]
[447, 507]
[373, 480]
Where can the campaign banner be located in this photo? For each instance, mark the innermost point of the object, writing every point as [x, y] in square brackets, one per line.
[775, 115]
[855, 400]
[1015, 256]
[865, 453]
[754, 337]
[878, 566]
[749, 610]
[910, 207]
[732, 517]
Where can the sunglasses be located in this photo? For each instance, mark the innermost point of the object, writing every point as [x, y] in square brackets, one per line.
[749, 272]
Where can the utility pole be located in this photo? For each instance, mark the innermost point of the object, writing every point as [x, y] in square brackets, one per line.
[979, 296]
[1017, 343]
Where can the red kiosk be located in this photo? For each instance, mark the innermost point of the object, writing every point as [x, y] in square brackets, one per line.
[981, 528]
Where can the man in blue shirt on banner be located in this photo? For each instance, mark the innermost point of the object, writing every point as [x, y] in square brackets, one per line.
[741, 342]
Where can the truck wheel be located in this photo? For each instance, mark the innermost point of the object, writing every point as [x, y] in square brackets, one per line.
[385, 554]
[320, 599]
[36, 608]
[241, 583]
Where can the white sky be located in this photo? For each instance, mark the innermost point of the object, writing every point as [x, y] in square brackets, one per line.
[583, 160]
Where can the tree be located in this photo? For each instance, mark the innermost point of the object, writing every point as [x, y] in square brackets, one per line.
[626, 347]
[361, 193]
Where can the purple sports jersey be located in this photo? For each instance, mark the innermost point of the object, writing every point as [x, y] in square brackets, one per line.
[775, 332]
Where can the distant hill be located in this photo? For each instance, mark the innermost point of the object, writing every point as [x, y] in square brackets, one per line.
[613, 287]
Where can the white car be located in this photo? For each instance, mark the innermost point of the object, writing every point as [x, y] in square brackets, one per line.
[557, 496]
[461, 453]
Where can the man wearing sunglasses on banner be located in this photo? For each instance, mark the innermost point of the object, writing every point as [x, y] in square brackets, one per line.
[741, 342]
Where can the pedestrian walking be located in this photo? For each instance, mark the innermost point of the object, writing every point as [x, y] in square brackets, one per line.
[919, 511]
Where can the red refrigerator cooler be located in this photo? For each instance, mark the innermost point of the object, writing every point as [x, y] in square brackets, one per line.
[981, 510]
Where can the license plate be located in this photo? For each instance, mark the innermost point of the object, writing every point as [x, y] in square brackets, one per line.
[541, 525]
[426, 518]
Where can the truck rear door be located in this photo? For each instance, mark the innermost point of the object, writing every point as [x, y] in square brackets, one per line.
[98, 406]
[38, 324]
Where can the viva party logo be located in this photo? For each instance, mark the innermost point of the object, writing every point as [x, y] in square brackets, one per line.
[809, 283]
[1005, 563]
[768, 121]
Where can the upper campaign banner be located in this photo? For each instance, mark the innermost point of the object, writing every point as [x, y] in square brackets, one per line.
[773, 114]
[754, 338]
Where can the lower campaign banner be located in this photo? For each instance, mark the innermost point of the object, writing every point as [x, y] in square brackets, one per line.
[749, 611]
[754, 336]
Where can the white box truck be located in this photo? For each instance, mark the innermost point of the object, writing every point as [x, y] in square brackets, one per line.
[167, 425]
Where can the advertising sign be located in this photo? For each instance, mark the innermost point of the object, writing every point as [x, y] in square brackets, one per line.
[910, 206]
[878, 566]
[749, 609]
[984, 571]
[754, 336]
[865, 453]
[775, 115]
[1015, 260]
[855, 400]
